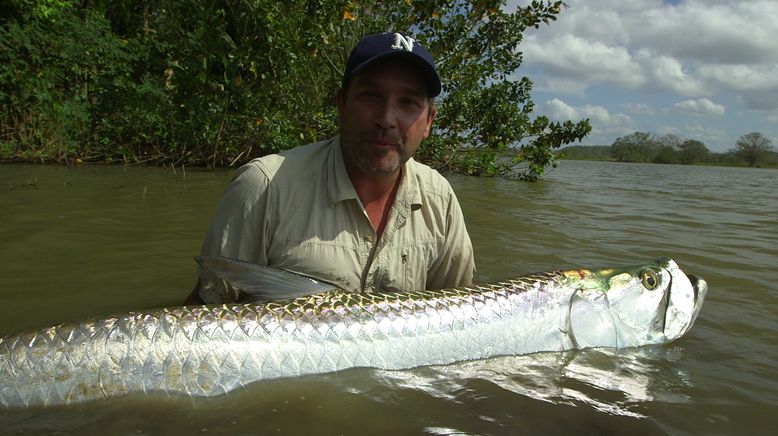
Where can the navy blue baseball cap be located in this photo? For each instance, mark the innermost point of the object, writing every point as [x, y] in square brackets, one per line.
[373, 48]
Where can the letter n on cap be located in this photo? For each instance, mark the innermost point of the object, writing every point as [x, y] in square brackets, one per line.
[401, 42]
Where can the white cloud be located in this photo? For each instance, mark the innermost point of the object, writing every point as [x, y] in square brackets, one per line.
[559, 110]
[669, 65]
[597, 115]
[604, 124]
[728, 32]
[639, 108]
[569, 56]
[668, 73]
[741, 77]
[757, 86]
[701, 106]
[694, 49]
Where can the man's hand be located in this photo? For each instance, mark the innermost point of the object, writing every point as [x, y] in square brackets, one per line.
[194, 296]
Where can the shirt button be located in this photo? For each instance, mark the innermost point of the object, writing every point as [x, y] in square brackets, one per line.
[367, 238]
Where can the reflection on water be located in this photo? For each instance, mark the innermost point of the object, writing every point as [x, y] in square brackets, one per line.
[607, 381]
[80, 242]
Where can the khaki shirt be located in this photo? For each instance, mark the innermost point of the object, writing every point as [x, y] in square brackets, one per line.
[299, 211]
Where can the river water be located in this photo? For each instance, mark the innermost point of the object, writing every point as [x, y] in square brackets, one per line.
[84, 241]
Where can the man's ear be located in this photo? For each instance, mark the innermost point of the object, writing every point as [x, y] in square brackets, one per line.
[340, 100]
[431, 114]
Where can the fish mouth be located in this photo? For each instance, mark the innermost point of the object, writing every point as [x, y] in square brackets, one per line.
[686, 295]
[696, 282]
[700, 288]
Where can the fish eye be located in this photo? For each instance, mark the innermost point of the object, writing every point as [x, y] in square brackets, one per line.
[649, 279]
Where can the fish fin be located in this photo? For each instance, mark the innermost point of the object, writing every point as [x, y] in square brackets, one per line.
[231, 280]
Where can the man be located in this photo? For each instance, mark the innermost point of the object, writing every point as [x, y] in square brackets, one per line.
[355, 210]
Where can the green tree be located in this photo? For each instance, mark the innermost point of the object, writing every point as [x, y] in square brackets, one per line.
[586, 152]
[753, 147]
[693, 151]
[220, 82]
[635, 147]
[666, 151]
[35, 9]
[665, 154]
[54, 66]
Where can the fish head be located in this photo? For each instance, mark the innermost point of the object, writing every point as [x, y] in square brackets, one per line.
[633, 306]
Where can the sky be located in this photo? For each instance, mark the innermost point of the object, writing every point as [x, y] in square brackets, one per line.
[697, 69]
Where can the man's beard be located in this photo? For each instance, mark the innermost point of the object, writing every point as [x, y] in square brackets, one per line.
[372, 159]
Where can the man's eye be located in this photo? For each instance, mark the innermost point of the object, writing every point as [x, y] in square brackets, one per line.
[369, 96]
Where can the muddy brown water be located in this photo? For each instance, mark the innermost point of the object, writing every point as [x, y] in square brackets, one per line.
[90, 240]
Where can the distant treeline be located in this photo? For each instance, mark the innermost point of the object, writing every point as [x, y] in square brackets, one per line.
[752, 149]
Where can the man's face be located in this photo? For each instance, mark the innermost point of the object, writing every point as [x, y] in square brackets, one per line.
[384, 116]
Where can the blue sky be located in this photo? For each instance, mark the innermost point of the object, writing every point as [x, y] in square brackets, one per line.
[697, 69]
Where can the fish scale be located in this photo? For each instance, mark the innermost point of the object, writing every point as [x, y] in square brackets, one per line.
[212, 350]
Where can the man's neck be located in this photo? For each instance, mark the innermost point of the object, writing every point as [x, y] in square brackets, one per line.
[377, 193]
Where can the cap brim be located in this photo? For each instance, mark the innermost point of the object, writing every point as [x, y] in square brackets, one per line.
[429, 72]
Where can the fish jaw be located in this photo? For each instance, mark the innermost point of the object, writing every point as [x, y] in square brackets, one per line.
[612, 308]
[685, 302]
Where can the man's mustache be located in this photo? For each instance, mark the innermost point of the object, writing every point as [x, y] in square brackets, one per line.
[380, 136]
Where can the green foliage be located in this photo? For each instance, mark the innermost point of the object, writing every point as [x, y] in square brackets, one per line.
[666, 154]
[666, 151]
[51, 72]
[220, 82]
[635, 147]
[693, 151]
[645, 147]
[37, 9]
[753, 148]
[586, 152]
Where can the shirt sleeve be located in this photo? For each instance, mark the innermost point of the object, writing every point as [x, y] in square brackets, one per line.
[240, 225]
[455, 264]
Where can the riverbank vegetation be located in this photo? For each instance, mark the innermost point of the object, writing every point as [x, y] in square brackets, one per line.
[752, 149]
[217, 83]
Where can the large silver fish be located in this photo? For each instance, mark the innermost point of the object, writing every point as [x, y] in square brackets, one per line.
[211, 350]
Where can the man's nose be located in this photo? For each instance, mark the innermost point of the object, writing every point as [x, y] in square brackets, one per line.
[387, 115]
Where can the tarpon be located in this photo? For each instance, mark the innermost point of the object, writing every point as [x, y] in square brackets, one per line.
[213, 349]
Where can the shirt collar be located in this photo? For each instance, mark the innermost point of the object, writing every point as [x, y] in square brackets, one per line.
[340, 188]
[339, 185]
[409, 193]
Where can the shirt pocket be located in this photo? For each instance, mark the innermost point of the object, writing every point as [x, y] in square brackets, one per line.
[406, 268]
[330, 262]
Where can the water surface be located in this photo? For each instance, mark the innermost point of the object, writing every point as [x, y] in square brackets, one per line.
[91, 240]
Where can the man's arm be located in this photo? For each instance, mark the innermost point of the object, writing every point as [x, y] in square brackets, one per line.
[238, 229]
[455, 264]
[194, 296]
